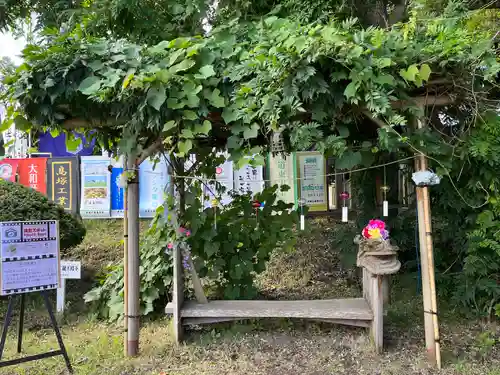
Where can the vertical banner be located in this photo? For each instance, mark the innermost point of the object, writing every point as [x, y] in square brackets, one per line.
[32, 173]
[312, 180]
[117, 191]
[96, 181]
[282, 172]
[249, 180]
[8, 169]
[63, 181]
[224, 175]
[153, 180]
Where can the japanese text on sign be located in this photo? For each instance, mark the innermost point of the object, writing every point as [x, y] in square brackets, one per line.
[29, 256]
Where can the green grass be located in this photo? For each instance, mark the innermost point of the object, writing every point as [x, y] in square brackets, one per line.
[258, 347]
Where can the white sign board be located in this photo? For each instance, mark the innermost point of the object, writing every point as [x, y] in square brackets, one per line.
[249, 180]
[29, 253]
[71, 269]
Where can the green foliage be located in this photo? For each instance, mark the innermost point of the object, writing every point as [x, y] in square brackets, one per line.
[155, 275]
[19, 203]
[246, 80]
[230, 249]
[240, 246]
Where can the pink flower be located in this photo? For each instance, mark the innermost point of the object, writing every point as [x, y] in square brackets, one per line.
[376, 224]
[170, 246]
[188, 233]
[182, 230]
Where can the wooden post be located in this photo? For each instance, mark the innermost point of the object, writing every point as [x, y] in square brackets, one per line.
[386, 289]
[377, 298]
[178, 287]
[373, 290]
[125, 268]
[427, 261]
[133, 259]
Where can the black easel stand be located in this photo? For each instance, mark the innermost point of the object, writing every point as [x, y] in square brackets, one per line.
[8, 320]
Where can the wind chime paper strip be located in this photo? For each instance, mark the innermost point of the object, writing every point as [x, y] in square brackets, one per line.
[282, 172]
[249, 180]
[96, 187]
[153, 181]
[385, 208]
[345, 213]
[32, 173]
[225, 177]
[8, 169]
[63, 181]
[312, 183]
[117, 191]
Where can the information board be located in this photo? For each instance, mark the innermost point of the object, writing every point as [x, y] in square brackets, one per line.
[282, 172]
[312, 183]
[29, 256]
[95, 191]
[249, 180]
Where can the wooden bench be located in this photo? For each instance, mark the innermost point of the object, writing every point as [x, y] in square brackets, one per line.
[367, 311]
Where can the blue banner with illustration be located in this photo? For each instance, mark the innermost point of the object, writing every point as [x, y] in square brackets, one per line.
[117, 192]
[95, 190]
[153, 180]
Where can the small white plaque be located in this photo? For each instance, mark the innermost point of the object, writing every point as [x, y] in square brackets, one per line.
[71, 269]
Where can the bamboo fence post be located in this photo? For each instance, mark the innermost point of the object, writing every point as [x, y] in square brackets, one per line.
[427, 260]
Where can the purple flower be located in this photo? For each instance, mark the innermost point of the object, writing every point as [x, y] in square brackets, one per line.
[185, 262]
[385, 234]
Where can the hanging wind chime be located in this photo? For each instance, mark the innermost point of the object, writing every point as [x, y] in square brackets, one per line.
[345, 196]
[302, 203]
[215, 202]
[257, 205]
[385, 189]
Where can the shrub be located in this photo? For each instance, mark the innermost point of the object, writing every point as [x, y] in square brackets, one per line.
[229, 249]
[19, 203]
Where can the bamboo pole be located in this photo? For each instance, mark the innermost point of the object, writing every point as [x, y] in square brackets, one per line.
[125, 268]
[427, 260]
[133, 261]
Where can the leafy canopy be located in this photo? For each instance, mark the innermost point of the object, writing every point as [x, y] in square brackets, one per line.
[240, 83]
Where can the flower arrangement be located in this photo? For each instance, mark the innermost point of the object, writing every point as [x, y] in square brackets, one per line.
[375, 230]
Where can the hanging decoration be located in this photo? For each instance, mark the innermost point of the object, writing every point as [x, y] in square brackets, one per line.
[215, 202]
[302, 203]
[385, 189]
[345, 196]
[257, 205]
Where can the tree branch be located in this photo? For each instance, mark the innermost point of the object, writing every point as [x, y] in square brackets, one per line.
[78, 123]
[423, 101]
[150, 150]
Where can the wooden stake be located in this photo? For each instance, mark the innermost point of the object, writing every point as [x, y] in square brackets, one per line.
[133, 260]
[178, 281]
[427, 260]
[125, 267]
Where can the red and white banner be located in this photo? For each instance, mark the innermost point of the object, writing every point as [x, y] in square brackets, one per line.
[8, 169]
[32, 173]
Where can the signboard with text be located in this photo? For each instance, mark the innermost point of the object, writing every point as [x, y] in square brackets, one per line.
[32, 173]
[63, 182]
[311, 168]
[282, 172]
[29, 253]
